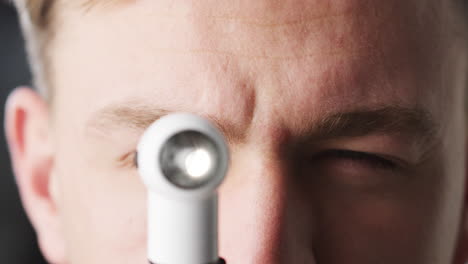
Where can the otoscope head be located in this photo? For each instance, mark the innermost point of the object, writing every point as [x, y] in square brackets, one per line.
[182, 155]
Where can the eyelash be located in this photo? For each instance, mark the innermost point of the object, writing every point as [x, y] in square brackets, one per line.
[128, 160]
[369, 159]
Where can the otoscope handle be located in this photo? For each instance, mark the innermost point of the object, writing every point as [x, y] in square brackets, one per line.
[220, 261]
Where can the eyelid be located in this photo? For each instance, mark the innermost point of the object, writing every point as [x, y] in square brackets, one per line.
[382, 161]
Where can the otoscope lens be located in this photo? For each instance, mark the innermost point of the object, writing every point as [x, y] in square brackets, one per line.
[189, 159]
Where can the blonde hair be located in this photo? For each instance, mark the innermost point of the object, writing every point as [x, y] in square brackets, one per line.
[36, 18]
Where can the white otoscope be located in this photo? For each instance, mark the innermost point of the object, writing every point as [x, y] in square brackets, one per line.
[182, 159]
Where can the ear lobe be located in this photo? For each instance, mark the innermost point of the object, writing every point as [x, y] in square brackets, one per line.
[31, 150]
[461, 253]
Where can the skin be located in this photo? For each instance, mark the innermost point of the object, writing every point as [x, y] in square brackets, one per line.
[268, 72]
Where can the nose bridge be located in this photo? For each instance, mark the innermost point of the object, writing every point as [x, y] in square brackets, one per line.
[252, 209]
[262, 219]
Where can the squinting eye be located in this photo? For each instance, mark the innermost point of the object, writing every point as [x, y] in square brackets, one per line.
[368, 159]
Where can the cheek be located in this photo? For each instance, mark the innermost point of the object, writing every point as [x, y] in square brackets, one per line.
[369, 230]
[399, 224]
[104, 210]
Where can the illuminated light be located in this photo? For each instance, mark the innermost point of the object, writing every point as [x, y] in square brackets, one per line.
[189, 159]
[198, 163]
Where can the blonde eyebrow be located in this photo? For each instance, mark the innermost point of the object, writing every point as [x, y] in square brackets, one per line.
[413, 122]
[388, 119]
[88, 5]
[131, 115]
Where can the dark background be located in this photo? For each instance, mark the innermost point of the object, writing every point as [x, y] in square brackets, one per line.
[17, 239]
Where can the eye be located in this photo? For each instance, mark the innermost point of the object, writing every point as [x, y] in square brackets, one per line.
[370, 160]
[129, 160]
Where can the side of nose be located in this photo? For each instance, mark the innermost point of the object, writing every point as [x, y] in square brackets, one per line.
[257, 215]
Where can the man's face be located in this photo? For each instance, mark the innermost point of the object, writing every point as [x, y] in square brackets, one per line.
[344, 122]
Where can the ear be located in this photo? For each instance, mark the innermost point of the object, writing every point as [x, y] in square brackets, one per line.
[461, 253]
[31, 149]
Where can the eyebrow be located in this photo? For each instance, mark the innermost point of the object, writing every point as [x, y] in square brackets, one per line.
[414, 122]
[87, 5]
[136, 116]
[385, 120]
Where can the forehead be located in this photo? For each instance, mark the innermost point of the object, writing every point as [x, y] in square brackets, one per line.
[262, 60]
